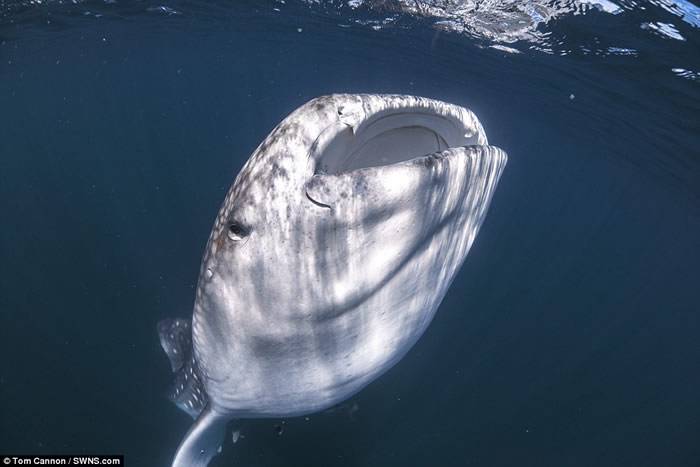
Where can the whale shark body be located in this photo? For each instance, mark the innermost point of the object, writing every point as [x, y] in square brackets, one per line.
[328, 259]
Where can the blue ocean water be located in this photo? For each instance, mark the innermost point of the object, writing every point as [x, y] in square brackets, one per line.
[570, 336]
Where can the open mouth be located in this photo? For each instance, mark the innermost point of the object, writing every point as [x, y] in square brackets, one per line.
[374, 134]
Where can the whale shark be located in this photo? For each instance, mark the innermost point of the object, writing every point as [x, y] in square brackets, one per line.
[328, 259]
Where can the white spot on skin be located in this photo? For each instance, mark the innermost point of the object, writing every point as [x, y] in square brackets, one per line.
[235, 436]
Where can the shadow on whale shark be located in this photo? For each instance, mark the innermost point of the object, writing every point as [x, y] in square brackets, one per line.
[328, 259]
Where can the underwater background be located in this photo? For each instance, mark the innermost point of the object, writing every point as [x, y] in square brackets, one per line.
[571, 336]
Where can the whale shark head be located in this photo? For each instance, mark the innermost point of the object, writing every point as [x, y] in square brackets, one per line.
[332, 251]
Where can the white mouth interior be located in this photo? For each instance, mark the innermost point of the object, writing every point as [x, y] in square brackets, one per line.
[392, 138]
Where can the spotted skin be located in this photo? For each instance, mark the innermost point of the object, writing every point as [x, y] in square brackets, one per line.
[187, 391]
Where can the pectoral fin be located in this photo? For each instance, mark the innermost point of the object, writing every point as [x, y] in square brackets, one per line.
[176, 339]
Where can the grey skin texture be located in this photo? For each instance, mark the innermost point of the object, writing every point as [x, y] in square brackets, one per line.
[328, 259]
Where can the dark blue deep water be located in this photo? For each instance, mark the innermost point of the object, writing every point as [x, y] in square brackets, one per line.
[571, 336]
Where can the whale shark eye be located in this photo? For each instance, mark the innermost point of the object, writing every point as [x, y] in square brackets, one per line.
[236, 231]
